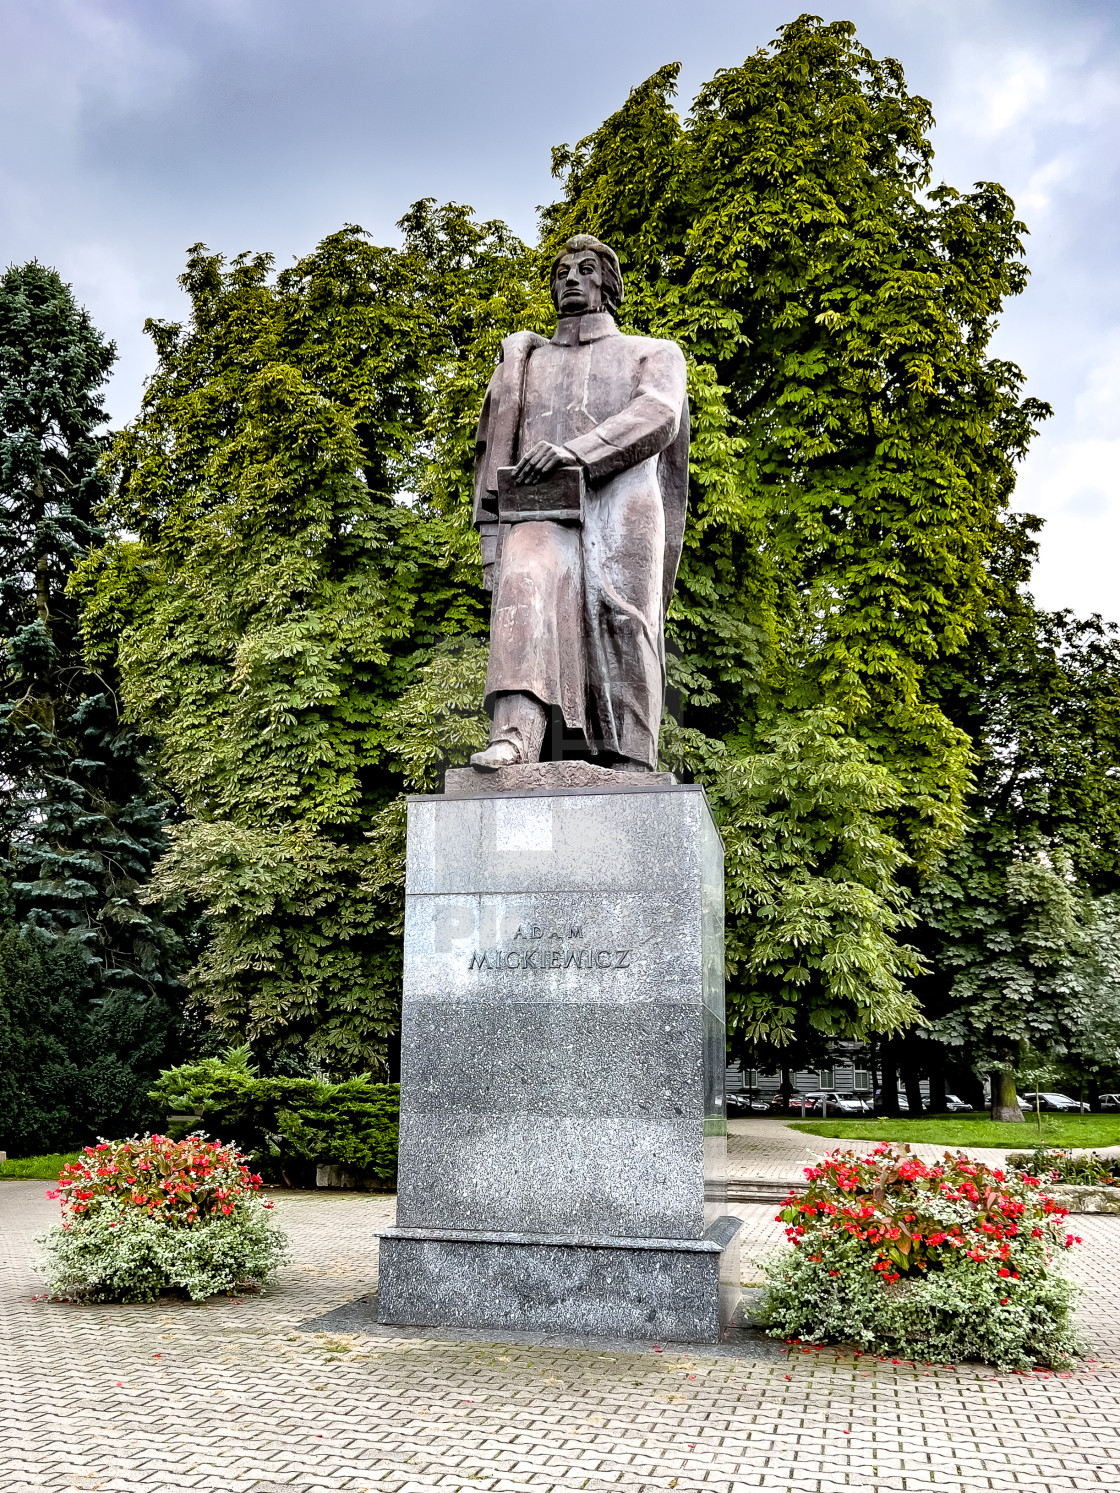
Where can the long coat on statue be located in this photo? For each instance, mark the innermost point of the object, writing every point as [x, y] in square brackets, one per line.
[579, 611]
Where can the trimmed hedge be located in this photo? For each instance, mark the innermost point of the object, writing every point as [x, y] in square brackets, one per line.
[1063, 1167]
[290, 1125]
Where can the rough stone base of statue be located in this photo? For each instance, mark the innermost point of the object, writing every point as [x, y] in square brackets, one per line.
[562, 1142]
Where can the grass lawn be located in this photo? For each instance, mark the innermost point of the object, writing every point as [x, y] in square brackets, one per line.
[38, 1168]
[962, 1131]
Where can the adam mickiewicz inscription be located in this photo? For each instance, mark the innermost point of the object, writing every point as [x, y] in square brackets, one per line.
[551, 959]
[542, 959]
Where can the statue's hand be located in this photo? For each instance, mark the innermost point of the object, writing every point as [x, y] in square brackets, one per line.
[542, 459]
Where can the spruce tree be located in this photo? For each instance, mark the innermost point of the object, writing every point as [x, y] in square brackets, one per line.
[81, 825]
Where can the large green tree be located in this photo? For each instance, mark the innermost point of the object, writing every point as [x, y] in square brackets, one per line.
[1017, 928]
[283, 613]
[292, 622]
[854, 448]
[81, 822]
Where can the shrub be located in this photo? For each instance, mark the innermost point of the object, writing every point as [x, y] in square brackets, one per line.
[76, 1058]
[1064, 1167]
[145, 1216]
[945, 1262]
[287, 1125]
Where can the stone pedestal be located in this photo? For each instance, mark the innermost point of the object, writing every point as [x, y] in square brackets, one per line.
[563, 1142]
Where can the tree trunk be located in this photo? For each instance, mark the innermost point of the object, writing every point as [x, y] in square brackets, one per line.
[42, 594]
[786, 1088]
[888, 1098]
[42, 563]
[937, 1085]
[43, 611]
[962, 1081]
[1004, 1099]
[874, 1071]
[912, 1081]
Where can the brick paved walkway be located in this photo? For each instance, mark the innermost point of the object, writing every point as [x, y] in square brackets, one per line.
[225, 1395]
[761, 1147]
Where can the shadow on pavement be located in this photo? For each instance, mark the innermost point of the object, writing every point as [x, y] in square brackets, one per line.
[743, 1339]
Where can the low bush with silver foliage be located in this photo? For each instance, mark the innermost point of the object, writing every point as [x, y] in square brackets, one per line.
[946, 1262]
[145, 1216]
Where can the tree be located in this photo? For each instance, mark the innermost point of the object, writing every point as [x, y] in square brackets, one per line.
[854, 447]
[298, 487]
[82, 824]
[276, 604]
[1017, 928]
[1093, 1040]
[812, 885]
[75, 1063]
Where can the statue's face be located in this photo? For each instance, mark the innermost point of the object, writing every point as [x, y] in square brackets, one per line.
[579, 283]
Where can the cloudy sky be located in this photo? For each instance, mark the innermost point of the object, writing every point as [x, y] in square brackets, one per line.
[130, 129]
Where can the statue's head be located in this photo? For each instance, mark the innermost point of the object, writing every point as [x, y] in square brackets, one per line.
[586, 277]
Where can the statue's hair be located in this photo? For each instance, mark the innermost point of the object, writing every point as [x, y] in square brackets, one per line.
[613, 290]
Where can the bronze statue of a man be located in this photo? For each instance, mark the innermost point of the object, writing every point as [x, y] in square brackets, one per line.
[581, 581]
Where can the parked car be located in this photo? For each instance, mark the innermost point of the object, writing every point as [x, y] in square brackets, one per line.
[1054, 1102]
[747, 1102]
[862, 1100]
[828, 1101]
[1110, 1103]
[780, 1106]
[956, 1106]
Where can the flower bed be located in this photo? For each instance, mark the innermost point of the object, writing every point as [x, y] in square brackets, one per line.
[945, 1262]
[1085, 1170]
[140, 1217]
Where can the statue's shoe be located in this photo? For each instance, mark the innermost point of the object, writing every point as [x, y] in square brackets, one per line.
[497, 754]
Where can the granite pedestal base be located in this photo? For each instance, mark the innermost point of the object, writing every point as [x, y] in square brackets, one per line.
[677, 1289]
[562, 1138]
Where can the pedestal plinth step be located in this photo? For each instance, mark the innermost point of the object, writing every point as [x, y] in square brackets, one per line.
[680, 1290]
[763, 1189]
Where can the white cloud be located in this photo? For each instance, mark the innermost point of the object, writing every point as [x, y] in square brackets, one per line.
[1038, 193]
[1068, 80]
[1075, 487]
[1033, 101]
[1012, 90]
[1072, 480]
[1098, 405]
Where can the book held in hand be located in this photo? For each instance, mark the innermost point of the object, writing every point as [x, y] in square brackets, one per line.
[557, 498]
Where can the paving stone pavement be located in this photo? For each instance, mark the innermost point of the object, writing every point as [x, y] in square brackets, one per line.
[229, 1395]
[762, 1147]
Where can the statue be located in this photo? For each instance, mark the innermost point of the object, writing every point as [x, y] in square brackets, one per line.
[581, 487]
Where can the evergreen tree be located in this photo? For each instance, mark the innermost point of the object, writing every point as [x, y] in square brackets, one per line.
[81, 825]
[74, 1064]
